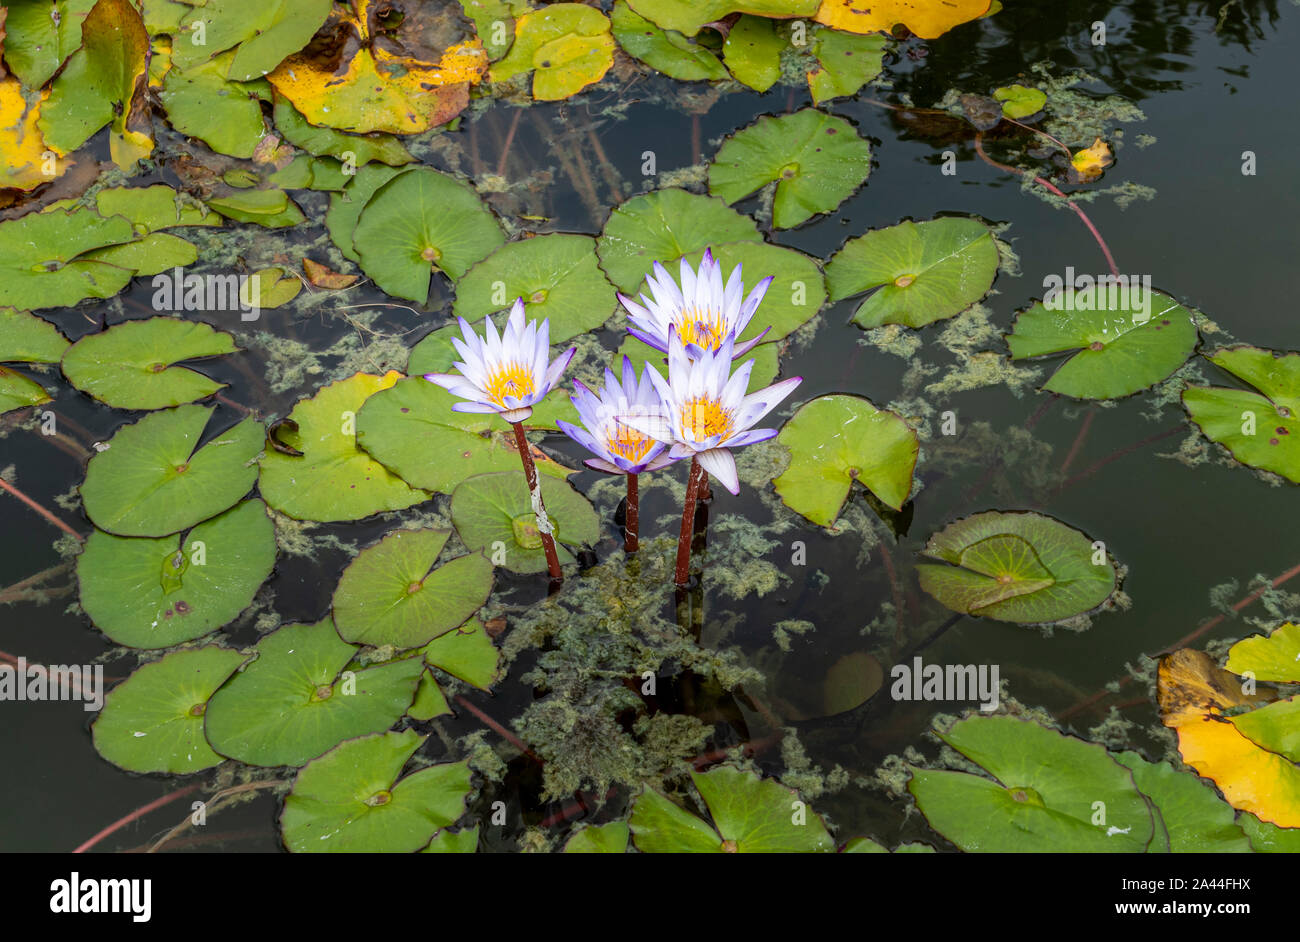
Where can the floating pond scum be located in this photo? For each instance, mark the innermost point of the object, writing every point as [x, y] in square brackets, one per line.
[648, 426]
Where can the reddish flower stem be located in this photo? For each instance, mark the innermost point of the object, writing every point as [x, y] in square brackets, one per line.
[535, 492]
[632, 516]
[39, 509]
[134, 815]
[697, 476]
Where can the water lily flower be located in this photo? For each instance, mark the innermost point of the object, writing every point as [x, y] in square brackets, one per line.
[707, 409]
[618, 447]
[505, 373]
[702, 310]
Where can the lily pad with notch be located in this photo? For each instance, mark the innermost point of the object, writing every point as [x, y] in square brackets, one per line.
[354, 798]
[845, 63]
[492, 508]
[567, 46]
[346, 206]
[296, 700]
[1018, 567]
[153, 480]
[919, 273]
[158, 592]
[42, 260]
[666, 51]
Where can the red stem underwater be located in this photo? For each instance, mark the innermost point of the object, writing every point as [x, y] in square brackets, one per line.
[535, 492]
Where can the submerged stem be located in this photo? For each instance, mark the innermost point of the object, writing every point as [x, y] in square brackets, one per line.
[535, 494]
[632, 516]
[697, 475]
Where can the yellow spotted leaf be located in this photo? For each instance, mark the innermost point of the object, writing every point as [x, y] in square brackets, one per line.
[1091, 161]
[1194, 694]
[567, 46]
[928, 19]
[23, 160]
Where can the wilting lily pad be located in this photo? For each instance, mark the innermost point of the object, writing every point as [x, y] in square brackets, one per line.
[262, 34]
[412, 430]
[154, 593]
[321, 142]
[816, 160]
[1126, 344]
[836, 440]
[467, 653]
[666, 51]
[557, 275]
[689, 16]
[1020, 101]
[493, 513]
[609, 838]
[25, 160]
[41, 264]
[1045, 794]
[1189, 815]
[1260, 426]
[346, 206]
[201, 102]
[331, 478]
[845, 63]
[750, 815]
[928, 20]
[392, 595]
[129, 366]
[295, 700]
[352, 800]
[924, 271]
[752, 51]
[153, 720]
[26, 338]
[419, 222]
[662, 227]
[567, 46]
[152, 481]
[1017, 567]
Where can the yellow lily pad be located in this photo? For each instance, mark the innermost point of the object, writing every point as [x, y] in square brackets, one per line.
[928, 19]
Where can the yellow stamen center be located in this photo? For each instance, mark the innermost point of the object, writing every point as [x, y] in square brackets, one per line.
[702, 327]
[703, 418]
[510, 379]
[627, 442]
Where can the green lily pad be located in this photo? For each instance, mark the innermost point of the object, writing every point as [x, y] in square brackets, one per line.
[1267, 838]
[262, 35]
[154, 593]
[332, 479]
[1020, 101]
[666, 51]
[430, 701]
[690, 16]
[412, 430]
[351, 800]
[1017, 567]
[39, 37]
[845, 62]
[270, 208]
[1260, 426]
[609, 838]
[557, 275]
[752, 51]
[26, 338]
[750, 815]
[295, 701]
[816, 160]
[129, 366]
[418, 222]
[328, 142]
[392, 595]
[153, 482]
[493, 513]
[155, 253]
[19, 392]
[152, 208]
[153, 720]
[486, 14]
[796, 294]
[41, 264]
[837, 440]
[1275, 727]
[201, 102]
[1190, 817]
[1122, 348]
[662, 227]
[766, 358]
[1043, 795]
[346, 206]
[466, 653]
[1274, 657]
[567, 46]
[274, 287]
[447, 841]
[924, 271]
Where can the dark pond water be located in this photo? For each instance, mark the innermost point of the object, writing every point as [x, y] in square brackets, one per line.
[1191, 536]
